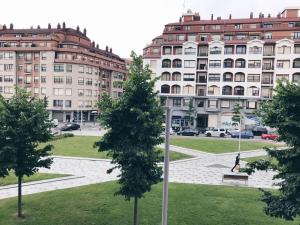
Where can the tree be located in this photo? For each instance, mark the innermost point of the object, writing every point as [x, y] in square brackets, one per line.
[236, 114]
[134, 124]
[190, 113]
[24, 123]
[283, 113]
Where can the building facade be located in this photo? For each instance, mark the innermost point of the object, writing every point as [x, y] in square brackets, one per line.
[218, 62]
[61, 64]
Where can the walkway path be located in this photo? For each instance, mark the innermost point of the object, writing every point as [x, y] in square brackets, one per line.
[205, 168]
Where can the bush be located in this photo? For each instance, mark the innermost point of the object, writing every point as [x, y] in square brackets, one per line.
[61, 136]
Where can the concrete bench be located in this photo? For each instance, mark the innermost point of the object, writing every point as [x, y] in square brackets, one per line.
[236, 176]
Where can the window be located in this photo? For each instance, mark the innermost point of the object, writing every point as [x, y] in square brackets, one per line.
[89, 70]
[88, 92]
[68, 80]
[227, 90]
[297, 49]
[8, 90]
[191, 37]
[213, 90]
[268, 35]
[176, 76]
[216, 37]
[175, 89]
[68, 68]
[282, 77]
[8, 78]
[254, 64]
[215, 50]
[28, 68]
[188, 90]
[283, 64]
[43, 68]
[241, 36]
[165, 89]
[251, 104]
[296, 77]
[253, 78]
[214, 77]
[36, 68]
[166, 76]
[68, 103]
[266, 92]
[8, 67]
[88, 81]
[214, 63]
[177, 63]
[284, 50]
[296, 63]
[225, 104]
[227, 77]
[81, 69]
[296, 35]
[68, 91]
[241, 49]
[253, 91]
[255, 50]
[58, 80]
[58, 103]
[177, 50]
[58, 91]
[43, 79]
[200, 104]
[81, 81]
[229, 49]
[238, 90]
[190, 51]
[28, 56]
[228, 37]
[267, 25]
[188, 77]
[80, 92]
[237, 26]
[59, 67]
[166, 63]
[268, 50]
[27, 79]
[240, 63]
[203, 50]
[36, 79]
[43, 90]
[44, 55]
[189, 63]
[180, 37]
[20, 67]
[212, 104]
[215, 27]
[167, 50]
[228, 63]
[177, 102]
[239, 77]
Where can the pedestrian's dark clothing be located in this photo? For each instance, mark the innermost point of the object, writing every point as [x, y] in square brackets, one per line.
[237, 162]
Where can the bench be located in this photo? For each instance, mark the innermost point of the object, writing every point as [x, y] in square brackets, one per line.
[236, 176]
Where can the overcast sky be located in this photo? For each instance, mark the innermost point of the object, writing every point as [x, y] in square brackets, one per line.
[127, 25]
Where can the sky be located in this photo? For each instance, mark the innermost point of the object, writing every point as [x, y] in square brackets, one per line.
[126, 25]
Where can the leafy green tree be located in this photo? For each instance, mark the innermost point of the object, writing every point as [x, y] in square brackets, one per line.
[190, 113]
[236, 114]
[24, 123]
[134, 123]
[283, 112]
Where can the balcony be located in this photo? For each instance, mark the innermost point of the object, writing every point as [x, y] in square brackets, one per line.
[268, 67]
[267, 81]
[202, 67]
[201, 79]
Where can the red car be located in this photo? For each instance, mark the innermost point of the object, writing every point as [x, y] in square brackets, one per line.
[269, 136]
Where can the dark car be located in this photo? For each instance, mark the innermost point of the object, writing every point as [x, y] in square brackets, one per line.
[258, 131]
[188, 132]
[244, 134]
[70, 126]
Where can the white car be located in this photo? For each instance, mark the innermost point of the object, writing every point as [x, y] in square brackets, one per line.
[216, 132]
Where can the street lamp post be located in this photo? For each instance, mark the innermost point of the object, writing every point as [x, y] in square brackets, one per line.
[166, 168]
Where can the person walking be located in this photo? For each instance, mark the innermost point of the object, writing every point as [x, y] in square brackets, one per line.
[237, 161]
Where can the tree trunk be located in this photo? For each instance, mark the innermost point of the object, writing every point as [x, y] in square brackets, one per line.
[135, 211]
[19, 196]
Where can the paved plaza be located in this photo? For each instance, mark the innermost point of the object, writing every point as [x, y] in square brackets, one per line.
[204, 168]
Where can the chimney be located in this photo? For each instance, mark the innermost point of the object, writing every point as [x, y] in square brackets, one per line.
[93, 44]
[11, 26]
[110, 50]
[58, 26]
[4, 27]
[278, 16]
[180, 19]
[97, 46]
[212, 16]
[230, 16]
[49, 26]
[106, 48]
[262, 15]
[251, 15]
[38, 27]
[77, 28]
[84, 31]
[219, 18]
[269, 15]
[64, 25]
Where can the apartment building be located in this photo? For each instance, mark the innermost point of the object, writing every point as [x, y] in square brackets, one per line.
[62, 64]
[218, 62]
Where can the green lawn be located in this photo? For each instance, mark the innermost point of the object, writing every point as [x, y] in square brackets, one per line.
[217, 145]
[252, 159]
[82, 146]
[96, 205]
[12, 179]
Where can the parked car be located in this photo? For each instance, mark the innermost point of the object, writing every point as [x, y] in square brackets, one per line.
[270, 136]
[171, 132]
[70, 126]
[247, 134]
[188, 132]
[230, 131]
[258, 131]
[216, 132]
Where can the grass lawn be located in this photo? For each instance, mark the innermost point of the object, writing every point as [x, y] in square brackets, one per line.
[217, 145]
[12, 179]
[82, 146]
[252, 159]
[96, 205]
